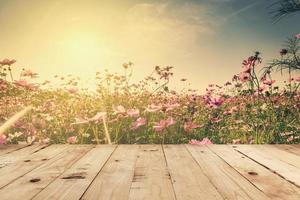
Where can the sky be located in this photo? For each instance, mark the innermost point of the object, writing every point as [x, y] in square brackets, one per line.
[205, 40]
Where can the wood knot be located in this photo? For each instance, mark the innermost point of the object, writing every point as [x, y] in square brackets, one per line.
[79, 175]
[35, 180]
[253, 173]
[74, 177]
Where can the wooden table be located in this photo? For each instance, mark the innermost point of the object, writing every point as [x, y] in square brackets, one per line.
[150, 172]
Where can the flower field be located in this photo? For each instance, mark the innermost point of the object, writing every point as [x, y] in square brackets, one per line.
[248, 109]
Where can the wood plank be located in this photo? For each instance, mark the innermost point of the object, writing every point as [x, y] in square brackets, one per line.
[189, 181]
[33, 182]
[7, 159]
[294, 148]
[8, 148]
[274, 161]
[74, 182]
[32, 161]
[113, 181]
[280, 154]
[227, 180]
[268, 182]
[151, 177]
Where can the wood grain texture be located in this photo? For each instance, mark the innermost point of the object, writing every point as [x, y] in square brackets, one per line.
[274, 186]
[151, 177]
[19, 154]
[226, 179]
[295, 149]
[114, 180]
[5, 149]
[283, 163]
[35, 181]
[189, 181]
[209, 172]
[74, 182]
[28, 163]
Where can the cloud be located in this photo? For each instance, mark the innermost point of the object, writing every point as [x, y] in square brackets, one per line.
[169, 22]
[242, 10]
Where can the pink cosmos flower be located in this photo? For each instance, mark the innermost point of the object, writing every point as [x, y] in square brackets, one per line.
[261, 89]
[189, 126]
[119, 109]
[159, 126]
[133, 112]
[170, 121]
[3, 84]
[153, 108]
[297, 79]
[72, 90]
[236, 141]
[269, 82]
[244, 77]
[204, 141]
[139, 122]
[297, 36]
[7, 62]
[162, 124]
[29, 73]
[216, 102]
[25, 84]
[247, 68]
[227, 113]
[215, 120]
[2, 139]
[72, 139]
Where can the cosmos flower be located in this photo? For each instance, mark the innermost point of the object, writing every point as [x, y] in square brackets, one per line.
[236, 141]
[163, 124]
[29, 73]
[139, 122]
[216, 102]
[215, 120]
[7, 62]
[72, 90]
[170, 121]
[244, 77]
[133, 112]
[204, 141]
[2, 139]
[297, 36]
[189, 126]
[297, 79]
[72, 139]
[119, 110]
[269, 82]
[25, 84]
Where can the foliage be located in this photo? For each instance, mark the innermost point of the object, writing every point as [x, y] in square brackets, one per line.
[285, 8]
